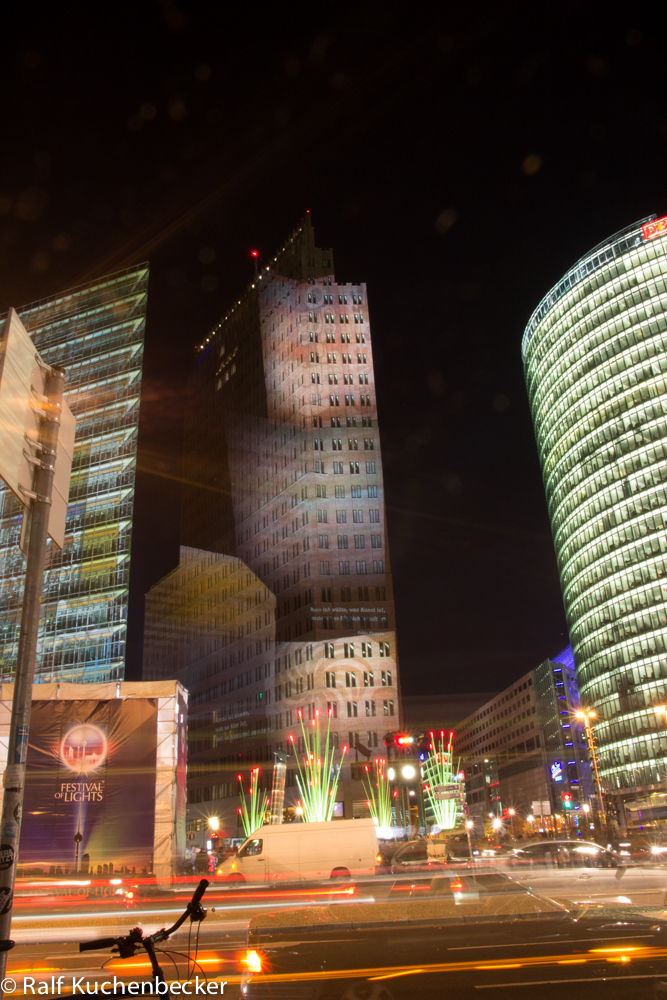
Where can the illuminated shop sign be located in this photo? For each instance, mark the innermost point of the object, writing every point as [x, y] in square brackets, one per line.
[557, 771]
[655, 228]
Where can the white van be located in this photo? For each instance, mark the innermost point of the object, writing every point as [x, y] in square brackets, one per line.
[291, 851]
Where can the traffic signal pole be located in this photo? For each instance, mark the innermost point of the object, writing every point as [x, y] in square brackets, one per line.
[14, 777]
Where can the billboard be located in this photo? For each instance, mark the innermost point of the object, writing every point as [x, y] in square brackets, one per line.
[105, 778]
[90, 785]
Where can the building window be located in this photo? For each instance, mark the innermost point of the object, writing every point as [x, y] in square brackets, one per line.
[344, 568]
[356, 492]
[352, 711]
[322, 517]
[341, 516]
[323, 541]
[368, 674]
[369, 444]
[350, 679]
[342, 541]
[354, 468]
[370, 709]
[332, 709]
[330, 679]
[358, 516]
[370, 469]
[338, 470]
[353, 444]
[328, 650]
[372, 491]
[325, 569]
[361, 566]
[367, 649]
[388, 707]
[322, 492]
[384, 649]
[376, 541]
[374, 516]
[348, 648]
[340, 492]
[359, 542]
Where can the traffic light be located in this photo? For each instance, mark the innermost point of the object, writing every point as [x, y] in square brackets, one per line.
[567, 800]
[425, 747]
[389, 739]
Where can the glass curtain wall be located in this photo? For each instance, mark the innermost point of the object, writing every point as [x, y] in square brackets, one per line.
[96, 332]
[595, 364]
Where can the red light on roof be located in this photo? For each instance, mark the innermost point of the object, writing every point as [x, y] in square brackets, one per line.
[655, 228]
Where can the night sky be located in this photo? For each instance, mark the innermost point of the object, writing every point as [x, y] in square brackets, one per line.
[458, 158]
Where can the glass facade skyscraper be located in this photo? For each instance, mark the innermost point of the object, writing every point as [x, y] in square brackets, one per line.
[595, 363]
[96, 332]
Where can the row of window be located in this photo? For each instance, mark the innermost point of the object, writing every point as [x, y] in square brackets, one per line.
[342, 298]
[330, 649]
[351, 677]
[360, 337]
[342, 317]
[339, 470]
[344, 567]
[356, 493]
[337, 444]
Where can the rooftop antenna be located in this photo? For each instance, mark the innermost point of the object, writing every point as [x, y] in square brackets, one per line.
[255, 257]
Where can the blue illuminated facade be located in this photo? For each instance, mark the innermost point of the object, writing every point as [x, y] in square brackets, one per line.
[96, 332]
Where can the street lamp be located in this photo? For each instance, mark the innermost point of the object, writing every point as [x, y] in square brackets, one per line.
[214, 823]
[585, 715]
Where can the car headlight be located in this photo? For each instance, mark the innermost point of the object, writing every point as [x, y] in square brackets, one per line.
[253, 961]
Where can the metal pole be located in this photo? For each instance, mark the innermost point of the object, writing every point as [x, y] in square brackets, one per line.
[14, 777]
[596, 773]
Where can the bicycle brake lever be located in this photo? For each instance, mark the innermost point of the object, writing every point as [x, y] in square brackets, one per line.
[197, 913]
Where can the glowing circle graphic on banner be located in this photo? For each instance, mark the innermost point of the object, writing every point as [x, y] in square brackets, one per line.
[84, 748]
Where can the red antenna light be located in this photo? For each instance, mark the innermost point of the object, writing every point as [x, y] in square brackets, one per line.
[254, 253]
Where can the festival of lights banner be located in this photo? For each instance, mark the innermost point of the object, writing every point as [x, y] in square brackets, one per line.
[90, 786]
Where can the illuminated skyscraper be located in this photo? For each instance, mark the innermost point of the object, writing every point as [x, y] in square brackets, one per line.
[96, 332]
[595, 366]
[283, 472]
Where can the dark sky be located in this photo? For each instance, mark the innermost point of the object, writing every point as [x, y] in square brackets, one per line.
[458, 157]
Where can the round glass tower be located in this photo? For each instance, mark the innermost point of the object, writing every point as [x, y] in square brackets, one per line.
[595, 364]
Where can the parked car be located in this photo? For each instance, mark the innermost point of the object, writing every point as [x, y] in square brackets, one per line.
[294, 851]
[579, 870]
[452, 935]
[419, 855]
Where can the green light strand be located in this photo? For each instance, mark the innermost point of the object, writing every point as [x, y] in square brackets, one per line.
[437, 770]
[253, 807]
[379, 793]
[317, 779]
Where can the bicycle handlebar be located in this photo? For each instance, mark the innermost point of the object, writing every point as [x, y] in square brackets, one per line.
[193, 910]
[98, 943]
[199, 892]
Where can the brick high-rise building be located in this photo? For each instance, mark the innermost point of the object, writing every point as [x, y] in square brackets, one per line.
[283, 474]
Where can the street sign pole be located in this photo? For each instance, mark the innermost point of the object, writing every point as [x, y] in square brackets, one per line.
[14, 777]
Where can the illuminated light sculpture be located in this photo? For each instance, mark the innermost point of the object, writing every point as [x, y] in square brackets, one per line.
[379, 794]
[253, 808]
[437, 770]
[318, 776]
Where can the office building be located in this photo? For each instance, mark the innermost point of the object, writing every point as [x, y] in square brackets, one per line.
[595, 365]
[526, 745]
[96, 331]
[283, 472]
